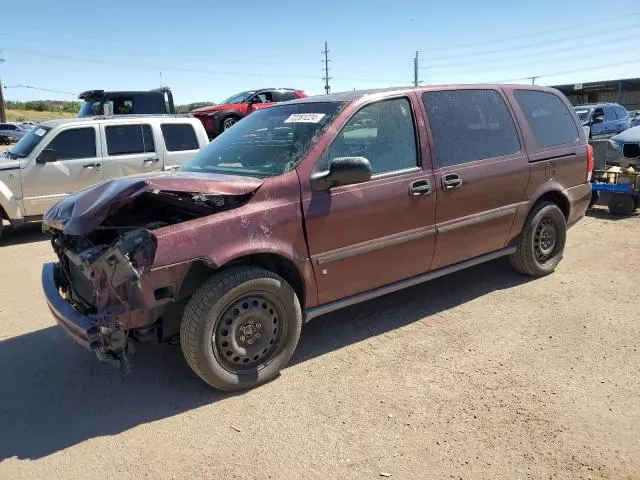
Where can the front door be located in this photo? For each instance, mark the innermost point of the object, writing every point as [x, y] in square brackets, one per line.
[481, 171]
[78, 165]
[129, 149]
[371, 234]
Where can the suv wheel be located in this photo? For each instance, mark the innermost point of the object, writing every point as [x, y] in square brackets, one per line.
[241, 328]
[229, 122]
[541, 242]
[621, 204]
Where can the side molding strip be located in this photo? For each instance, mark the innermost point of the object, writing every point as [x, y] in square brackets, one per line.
[375, 244]
[394, 287]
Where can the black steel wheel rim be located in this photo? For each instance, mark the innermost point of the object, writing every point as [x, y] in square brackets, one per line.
[545, 240]
[249, 333]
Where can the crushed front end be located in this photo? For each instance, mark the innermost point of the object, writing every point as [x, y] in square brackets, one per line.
[104, 290]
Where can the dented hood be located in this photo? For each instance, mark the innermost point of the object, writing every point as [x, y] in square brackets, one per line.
[81, 212]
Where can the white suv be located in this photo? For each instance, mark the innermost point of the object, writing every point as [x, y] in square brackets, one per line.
[59, 157]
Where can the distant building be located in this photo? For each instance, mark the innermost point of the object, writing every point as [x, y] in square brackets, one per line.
[626, 92]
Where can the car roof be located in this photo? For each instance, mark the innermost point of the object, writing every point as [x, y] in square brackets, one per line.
[112, 119]
[353, 95]
[593, 105]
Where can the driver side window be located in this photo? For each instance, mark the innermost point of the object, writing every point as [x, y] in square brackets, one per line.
[74, 143]
[383, 133]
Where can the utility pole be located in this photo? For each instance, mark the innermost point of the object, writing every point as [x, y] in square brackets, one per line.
[533, 80]
[415, 70]
[326, 77]
[3, 117]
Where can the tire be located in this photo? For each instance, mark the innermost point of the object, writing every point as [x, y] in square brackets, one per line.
[228, 122]
[621, 204]
[226, 333]
[541, 243]
[595, 196]
[636, 202]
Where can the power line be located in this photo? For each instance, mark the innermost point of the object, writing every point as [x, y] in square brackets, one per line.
[41, 89]
[572, 58]
[537, 34]
[567, 72]
[326, 77]
[518, 48]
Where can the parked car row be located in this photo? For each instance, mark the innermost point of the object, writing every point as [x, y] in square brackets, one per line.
[300, 209]
[14, 131]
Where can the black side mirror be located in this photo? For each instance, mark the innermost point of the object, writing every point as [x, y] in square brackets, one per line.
[48, 155]
[342, 171]
[598, 119]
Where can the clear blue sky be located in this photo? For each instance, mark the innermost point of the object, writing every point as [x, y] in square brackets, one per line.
[208, 50]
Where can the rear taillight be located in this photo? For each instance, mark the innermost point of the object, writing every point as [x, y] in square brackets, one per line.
[590, 162]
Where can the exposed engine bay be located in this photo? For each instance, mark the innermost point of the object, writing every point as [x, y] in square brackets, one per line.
[101, 270]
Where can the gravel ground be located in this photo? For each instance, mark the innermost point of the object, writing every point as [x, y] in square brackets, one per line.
[482, 374]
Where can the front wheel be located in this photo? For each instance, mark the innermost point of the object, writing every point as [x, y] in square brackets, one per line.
[241, 328]
[229, 122]
[541, 242]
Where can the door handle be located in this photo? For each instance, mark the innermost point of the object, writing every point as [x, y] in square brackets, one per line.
[92, 165]
[151, 160]
[419, 187]
[451, 181]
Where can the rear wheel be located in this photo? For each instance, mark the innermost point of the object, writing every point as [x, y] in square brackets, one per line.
[541, 242]
[241, 328]
[621, 204]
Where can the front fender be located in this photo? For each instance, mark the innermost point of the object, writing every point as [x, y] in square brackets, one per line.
[9, 203]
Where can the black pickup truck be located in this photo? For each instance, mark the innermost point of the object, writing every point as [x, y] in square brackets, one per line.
[100, 102]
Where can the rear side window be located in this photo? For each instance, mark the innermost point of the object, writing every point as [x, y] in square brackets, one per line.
[621, 112]
[283, 96]
[469, 125]
[179, 136]
[129, 139]
[74, 143]
[548, 117]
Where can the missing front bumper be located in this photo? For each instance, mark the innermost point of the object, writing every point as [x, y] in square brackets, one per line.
[107, 343]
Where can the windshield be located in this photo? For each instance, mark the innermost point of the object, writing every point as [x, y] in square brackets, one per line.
[90, 107]
[27, 143]
[267, 142]
[238, 98]
[583, 114]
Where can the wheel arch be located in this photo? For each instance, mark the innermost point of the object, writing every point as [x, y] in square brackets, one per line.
[201, 269]
[554, 196]
[278, 264]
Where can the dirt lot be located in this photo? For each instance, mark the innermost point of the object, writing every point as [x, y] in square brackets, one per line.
[484, 374]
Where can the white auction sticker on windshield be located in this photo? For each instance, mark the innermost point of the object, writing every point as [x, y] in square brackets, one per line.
[40, 132]
[305, 118]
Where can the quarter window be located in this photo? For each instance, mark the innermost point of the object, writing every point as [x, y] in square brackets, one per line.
[469, 125]
[129, 139]
[548, 117]
[74, 143]
[383, 133]
[179, 136]
[621, 113]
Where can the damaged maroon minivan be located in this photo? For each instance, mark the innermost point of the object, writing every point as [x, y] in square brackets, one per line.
[313, 205]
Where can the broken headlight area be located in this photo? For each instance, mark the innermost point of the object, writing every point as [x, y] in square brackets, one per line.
[99, 277]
